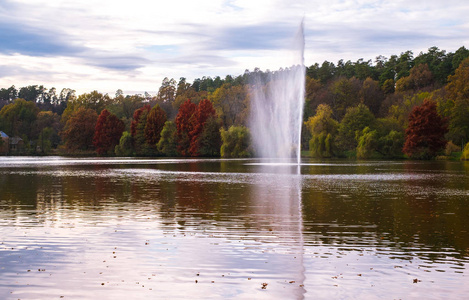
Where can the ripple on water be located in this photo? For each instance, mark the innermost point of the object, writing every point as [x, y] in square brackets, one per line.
[128, 229]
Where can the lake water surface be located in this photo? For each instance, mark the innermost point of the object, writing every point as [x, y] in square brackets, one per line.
[232, 229]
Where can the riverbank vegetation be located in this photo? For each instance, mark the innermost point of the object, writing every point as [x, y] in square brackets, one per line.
[396, 107]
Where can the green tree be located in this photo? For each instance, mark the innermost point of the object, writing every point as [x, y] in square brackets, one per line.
[125, 146]
[390, 145]
[166, 97]
[8, 95]
[460, 55]
[439, 63]
[18, 118]
[94, 100]
[210, 138]
[44, 140]
[137, 129]
[322, 128]
[236, 142]
[314, 92]
[154, 124]
[390, 137]
[372, 95]
[355, 119]
[47, 119]
[420, 77]
[31, 93]
[167, 144]
[231, 104]
[367, 143]
[465, 152]
[326, 71]
[345, 93]
[167, 90]
[458, 95]
[124, 107]
[321, 145]
[401, 110]
[388, 86]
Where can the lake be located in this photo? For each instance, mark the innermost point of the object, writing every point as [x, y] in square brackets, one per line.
[93, 228]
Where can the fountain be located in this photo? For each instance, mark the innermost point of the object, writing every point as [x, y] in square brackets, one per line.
[277, 102]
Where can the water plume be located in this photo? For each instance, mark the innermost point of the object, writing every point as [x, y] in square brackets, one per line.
[277, 101]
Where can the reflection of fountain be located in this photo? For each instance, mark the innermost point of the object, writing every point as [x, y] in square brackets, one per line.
[277, 108]
[277, 195]
[276, 118]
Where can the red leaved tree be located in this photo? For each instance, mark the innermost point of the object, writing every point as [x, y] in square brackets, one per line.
[155, 123]
[108, 131]
[425, 133]
[202, 113]
[184, 127]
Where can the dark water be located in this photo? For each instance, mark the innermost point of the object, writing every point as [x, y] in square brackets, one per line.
[232, 229]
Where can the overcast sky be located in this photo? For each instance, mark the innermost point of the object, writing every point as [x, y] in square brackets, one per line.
[107, 45]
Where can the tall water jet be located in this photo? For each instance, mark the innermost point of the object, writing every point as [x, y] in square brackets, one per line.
[277, 101]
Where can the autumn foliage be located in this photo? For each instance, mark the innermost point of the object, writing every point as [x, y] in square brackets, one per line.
[79, 129]
[108, 132]
[203, 112]
[154, 125]
[352, 109]
[136, 118]
[425, 133]
[184, 127]
[137, 128]
[197, 129]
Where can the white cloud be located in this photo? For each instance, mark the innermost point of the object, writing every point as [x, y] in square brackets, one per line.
[133, 45]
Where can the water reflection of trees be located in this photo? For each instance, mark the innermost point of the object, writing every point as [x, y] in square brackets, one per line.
[399, 221]
[413, 216]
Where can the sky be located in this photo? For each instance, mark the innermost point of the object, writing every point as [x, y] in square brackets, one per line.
[133, 45]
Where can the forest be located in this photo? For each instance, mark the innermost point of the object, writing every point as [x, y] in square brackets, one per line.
[404, 106]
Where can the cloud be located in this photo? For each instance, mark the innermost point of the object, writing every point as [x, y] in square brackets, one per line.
[16, 38]
[136, 44]
[115, 62]
[254, 37]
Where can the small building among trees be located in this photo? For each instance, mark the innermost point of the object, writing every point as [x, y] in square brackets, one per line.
[16, 145]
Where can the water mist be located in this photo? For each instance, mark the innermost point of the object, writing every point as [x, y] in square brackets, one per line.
[277, 101]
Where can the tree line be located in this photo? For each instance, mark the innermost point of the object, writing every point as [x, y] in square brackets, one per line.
[390, 108]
